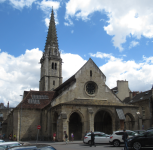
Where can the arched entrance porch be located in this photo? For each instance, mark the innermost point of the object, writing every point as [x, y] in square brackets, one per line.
[103, 122]
[75, 126]
[129, 121]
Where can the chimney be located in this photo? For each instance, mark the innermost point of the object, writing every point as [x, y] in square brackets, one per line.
[8, 104]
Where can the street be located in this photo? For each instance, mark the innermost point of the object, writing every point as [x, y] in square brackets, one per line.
[79, 145]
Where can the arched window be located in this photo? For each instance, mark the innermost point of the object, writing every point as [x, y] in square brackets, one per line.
[55, 66]
[90, 73]
[52, 65]
[53, 82]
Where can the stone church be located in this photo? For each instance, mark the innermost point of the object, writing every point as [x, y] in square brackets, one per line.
[82, 103]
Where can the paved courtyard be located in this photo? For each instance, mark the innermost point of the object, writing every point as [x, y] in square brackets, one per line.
[79, 145]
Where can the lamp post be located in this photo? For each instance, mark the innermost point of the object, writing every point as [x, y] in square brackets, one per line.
[20, 120]
[138, 113]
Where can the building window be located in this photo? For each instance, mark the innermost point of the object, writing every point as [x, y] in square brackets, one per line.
[1, 115]
[143, 111]
[52, 65]
[90, 73]
[55, 66]
[53, 82]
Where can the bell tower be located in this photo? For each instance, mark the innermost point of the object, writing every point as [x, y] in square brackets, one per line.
[51, 62]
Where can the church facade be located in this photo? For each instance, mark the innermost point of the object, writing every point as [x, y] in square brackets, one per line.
[82, 103]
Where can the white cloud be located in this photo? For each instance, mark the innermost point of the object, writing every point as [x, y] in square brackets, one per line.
[133, 44]
[46, 7]
[126, 18]
[72, 31]
[138, 74]
[23, 73]
[18, 74]
[72, 63]
[19, 4]
[0, 50]
[1, 1]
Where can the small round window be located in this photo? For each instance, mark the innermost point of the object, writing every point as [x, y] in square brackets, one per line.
[91, 88]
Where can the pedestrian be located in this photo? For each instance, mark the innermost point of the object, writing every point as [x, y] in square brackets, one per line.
[14, 137]
[10, 137]
[72, 137]
[66, 138]
[54, 136]
[85, 133]
[3, 136]
[92, 139]
[124, 138]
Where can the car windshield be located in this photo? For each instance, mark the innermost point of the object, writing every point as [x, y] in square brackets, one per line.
[142, 134]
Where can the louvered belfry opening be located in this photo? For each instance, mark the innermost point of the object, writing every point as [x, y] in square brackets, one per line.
[103, 122]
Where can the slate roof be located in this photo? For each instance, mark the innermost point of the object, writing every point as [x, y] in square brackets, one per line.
[43, 102]
[114, 90]
[139, 97]
[126, 100]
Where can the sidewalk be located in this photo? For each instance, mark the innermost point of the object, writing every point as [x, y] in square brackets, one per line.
[50, 142]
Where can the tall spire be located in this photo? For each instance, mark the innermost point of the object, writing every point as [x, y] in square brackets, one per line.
[51, 36]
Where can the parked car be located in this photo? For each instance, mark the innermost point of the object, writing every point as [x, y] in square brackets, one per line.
[32, 147]
[141, 140]
[1, 141]
[5, 145]
[100, 137]
[116, 137]
[139, 131]
[150, 128]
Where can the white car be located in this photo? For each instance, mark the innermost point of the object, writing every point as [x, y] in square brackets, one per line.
[5, 145]
[100, 137]
[1, 141]
[116, 137]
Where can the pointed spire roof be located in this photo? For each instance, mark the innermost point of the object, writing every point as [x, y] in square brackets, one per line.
[52, 36]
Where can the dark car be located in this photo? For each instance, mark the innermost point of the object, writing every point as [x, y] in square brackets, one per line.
[32, 147]
[141, 140]
[139, 131]
[150, 128]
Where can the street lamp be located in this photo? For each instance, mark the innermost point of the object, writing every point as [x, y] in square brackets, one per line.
[139, 116]
[20, 119]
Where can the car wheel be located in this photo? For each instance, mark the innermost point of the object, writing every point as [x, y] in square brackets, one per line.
[116, 143]
[136, 145]
[89, 142]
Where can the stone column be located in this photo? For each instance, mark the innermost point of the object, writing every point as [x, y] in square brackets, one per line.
[91, 119]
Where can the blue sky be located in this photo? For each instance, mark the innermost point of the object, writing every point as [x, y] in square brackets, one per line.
[117, 35]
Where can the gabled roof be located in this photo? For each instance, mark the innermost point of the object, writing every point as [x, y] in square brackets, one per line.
[44, 97]
[139, 97]
[72, 78]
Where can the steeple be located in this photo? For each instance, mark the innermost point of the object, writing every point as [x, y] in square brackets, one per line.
[52, 36]
[51, 62]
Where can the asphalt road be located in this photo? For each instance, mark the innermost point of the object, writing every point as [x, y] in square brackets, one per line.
[79, 145]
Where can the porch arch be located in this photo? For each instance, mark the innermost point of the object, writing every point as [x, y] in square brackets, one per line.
[129, 121]
[103, 121]
[75, 124]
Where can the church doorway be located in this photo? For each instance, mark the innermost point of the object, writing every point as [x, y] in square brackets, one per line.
[75, 126]
[129, 121]
[55, 117]
[103, 122]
